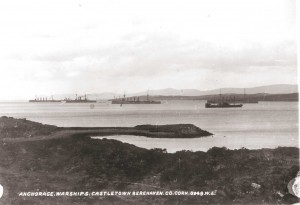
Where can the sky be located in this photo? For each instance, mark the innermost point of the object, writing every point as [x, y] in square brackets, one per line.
[84, 46]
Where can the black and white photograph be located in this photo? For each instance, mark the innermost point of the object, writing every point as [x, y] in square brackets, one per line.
[112, 102]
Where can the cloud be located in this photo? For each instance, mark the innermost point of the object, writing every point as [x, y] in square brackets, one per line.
[109, 45]
[144, 55]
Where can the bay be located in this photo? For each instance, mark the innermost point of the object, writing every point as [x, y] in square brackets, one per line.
[249, 126]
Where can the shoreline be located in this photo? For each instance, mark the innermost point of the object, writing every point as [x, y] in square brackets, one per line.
[13, 129]
[54, 159]
[179, 144]
[22, 130]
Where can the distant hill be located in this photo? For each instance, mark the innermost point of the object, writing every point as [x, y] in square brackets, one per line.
[233, 97]
[269, 89]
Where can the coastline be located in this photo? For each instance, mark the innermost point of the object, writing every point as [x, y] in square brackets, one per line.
[72, 161]
[21, 129]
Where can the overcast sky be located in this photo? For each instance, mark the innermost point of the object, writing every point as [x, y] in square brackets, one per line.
[67, 46]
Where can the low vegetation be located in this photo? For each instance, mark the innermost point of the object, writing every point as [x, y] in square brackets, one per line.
[80, 163]
[22, 128]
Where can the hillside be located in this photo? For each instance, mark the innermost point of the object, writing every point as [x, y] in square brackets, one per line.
[84, 164]
[22, 128]
[72, 161]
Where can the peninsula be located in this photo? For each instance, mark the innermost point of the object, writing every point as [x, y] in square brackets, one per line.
[16, 129]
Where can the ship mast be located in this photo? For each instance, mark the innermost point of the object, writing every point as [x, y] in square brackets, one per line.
[220, 97]
[148, 95]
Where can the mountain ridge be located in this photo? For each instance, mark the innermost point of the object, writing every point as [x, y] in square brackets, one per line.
[268, 89]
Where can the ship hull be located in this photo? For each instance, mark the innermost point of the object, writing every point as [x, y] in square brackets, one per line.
[135, 102]
[247, 102]
[45, 101]
[80, 101]
[207, 105]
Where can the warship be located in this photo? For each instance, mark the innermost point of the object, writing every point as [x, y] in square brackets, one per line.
[44, 99]
[79, 99]
[133, 100]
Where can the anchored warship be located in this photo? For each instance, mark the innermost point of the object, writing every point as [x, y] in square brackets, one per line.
[44, 99]
[79, 99]
[133, 100]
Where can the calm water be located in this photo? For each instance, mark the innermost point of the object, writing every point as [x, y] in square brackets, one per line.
[266, 124]
[203, 144]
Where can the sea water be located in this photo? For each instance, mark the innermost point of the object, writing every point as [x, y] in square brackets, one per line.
[265, 124]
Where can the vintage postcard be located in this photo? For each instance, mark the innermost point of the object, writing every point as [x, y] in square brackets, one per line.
[149, 102]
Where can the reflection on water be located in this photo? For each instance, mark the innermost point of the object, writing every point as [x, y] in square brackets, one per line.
[205, 143]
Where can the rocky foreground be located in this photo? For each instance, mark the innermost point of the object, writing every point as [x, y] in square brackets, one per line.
[75, 162]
